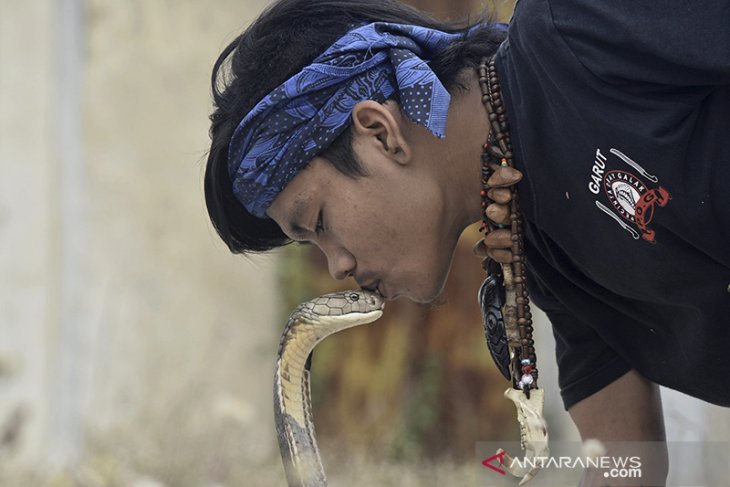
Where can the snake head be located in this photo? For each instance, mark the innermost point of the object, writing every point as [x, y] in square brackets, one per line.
[343, 309]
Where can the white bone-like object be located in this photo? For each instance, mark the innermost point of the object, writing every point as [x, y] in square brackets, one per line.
[533, 433]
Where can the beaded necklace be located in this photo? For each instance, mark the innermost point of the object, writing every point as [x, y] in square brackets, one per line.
[503, 297]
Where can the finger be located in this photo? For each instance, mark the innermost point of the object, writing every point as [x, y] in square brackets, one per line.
[501, 256]
[498, 239]
[480, 249]
[500, 195]
[504, 177]
[498, 213]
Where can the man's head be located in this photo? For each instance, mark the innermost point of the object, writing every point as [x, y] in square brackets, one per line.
[386, 217]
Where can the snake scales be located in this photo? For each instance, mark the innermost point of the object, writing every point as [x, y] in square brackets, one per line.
[309, 324]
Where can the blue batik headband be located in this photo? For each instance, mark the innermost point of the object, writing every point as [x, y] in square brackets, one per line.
[304, 115]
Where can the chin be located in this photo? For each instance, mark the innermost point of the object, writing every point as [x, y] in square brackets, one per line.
[429, 289]
[427, 300]
[427, 296]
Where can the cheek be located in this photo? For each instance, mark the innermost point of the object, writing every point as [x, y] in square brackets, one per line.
[434, 246]
[418, 235]
[377, 242]
[399, 232]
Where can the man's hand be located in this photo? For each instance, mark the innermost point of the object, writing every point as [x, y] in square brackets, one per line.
[498, 242]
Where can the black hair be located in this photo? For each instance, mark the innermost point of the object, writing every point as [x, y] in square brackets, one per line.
[287, 36]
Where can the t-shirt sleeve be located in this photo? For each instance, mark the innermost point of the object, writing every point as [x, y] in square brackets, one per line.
[677, 42]
[586, 363]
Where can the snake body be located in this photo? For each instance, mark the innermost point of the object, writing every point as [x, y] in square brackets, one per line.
[309, 324]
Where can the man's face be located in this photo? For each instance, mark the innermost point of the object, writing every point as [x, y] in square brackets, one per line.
[389, 229]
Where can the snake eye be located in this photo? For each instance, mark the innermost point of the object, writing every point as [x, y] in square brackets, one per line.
[354, 296]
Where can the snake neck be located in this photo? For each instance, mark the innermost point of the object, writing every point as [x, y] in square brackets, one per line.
[293, 413]
[309, 324]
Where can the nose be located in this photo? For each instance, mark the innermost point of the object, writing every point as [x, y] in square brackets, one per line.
[341, 263]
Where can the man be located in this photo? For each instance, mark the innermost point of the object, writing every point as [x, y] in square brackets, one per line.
[363, 135]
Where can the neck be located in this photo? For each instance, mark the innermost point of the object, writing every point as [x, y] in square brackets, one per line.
[468, 128]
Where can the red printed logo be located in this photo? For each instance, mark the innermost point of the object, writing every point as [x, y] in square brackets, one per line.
[633, 201]
[500, 456]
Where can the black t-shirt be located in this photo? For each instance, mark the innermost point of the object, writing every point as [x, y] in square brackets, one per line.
[620, 118]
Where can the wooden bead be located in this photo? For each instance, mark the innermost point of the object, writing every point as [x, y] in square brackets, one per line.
[496, 213]
[495, 151]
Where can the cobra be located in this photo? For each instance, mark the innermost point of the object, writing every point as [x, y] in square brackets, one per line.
[310, 323]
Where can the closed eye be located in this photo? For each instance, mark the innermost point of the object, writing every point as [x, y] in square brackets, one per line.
[319, 228]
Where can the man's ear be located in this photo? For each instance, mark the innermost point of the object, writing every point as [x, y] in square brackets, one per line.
[382, 125]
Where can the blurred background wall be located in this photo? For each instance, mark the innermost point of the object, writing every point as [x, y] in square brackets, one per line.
[131, 339]
[135, 350]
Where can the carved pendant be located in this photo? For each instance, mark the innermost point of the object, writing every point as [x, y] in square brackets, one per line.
[491, 300]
